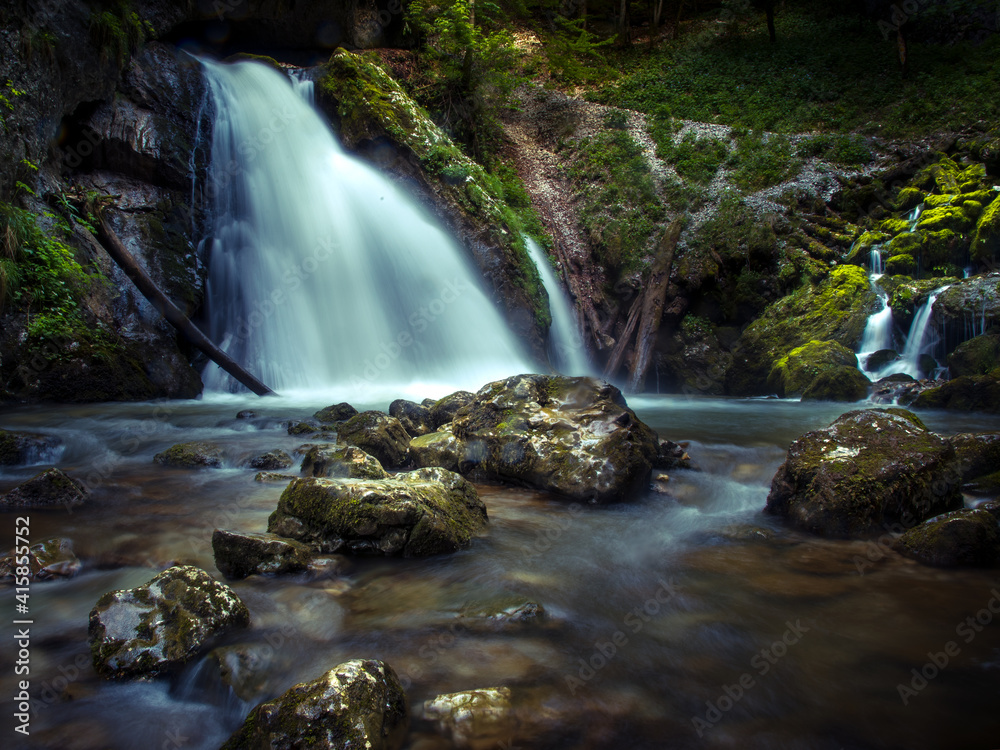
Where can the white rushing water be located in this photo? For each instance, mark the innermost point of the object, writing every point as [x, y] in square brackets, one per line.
[566, 347]
[323, 274]
[878, 330]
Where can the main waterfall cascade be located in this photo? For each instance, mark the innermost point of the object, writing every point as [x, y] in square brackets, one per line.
[566, 348]
[322, 273]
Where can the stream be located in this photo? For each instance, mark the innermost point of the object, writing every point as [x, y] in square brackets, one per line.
[668, 623]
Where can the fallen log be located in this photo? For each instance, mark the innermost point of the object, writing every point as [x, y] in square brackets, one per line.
[173, 314]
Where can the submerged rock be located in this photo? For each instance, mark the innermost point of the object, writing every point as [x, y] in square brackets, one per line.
[239, 554]
[415, 418]
[331, 460]
[357, 704]
[866, 472]
[966, 537]
[191, 455]
[966, 393]
[146, 631]
[47, 489]
[337, 413]
[276, 459]
[416, 513]
[22, 448]
[380, 435]
[271, 476]
[473, 719]
[52, 558]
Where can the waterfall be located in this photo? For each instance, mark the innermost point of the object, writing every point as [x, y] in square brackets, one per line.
[566, 348]
[878, 330]
[917, 342]
[914, 217]
[322, 273]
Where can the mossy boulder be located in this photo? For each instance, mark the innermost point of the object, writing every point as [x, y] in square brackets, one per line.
[977, 356]
[191, 456]
[904, 243]
[270, 461]
[966, 393]
[445, 409]
[696, 358]
[986, 239]
[836, 309]
[331, 460]
[439, 448]
[25, 448]
[838, 384]
[944, 217]
[796, 371]
[357, 704]
[378, 434]
[415, 418]
[870, 469]
[239, 554]
[413, 514]
[909, 198]
[963, 538]
[337, 413]
[152, 629]
[47, 560]
[47, 489]
[978, 453]
[473, 719]
[902, 264]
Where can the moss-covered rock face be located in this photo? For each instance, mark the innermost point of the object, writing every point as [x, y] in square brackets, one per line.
[972, 302]
[331, 460]
[378, 434]
[965, 537]
[977, 356]
[413, 514]
[866, 472]
[838, 384]
[575, 437]
[415, 418]
[47, 560]
[276, 459]
[357, 704]
[986, 240]
[191, 455]
[336, 413]
[835, 310]
[696, 357]
[473, 718]
[25, 448]
[795, 372]
[48, 489]
[967, 393]
[239, 554]
[152, 629]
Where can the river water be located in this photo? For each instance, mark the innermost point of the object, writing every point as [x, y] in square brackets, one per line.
[664, 627]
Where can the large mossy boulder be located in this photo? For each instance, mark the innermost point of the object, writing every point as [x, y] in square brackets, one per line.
[195, 455]
[836, 310]
[977, 356]
[357, 704]
[332, 460]
[378, 434]
[793, 374]
[413, 514]
[439, 448]
[337, 413]
[444, 409]
[239, 554]
[967, 393]
[152, 629]
[986, 239]
[575, 437]
[48, 489]
[838, 384]
[978, 453]
[966, 537]
[415, 418]
[25, 448]
[868, 471]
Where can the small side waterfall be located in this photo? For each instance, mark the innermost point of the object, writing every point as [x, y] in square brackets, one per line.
[323, 274]
[918, 342]
[566, 348]
[878, 331]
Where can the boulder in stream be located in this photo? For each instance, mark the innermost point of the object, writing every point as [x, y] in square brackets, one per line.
[357, 704]
[151, 629]
[965, 393]
[239, 554]
[191, 455]
[473, 719]
[444, 409]
[868, 472]
[332, 460]
[416, 513]
[270, 461]
[337, 413]
[415, 418]
[967, 537]
[47, 489]
[22, 448]
[49, 559]
[380, 435]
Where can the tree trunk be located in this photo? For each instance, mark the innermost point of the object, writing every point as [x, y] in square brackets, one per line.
[114, 247]
[624, 24]
[621, 346]
[904, 61]
[769, 9]
[652, 306]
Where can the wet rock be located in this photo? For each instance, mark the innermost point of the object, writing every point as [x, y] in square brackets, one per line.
[52, 558]
[357, 704]
[337, 413]
[243, 668]
[25, 448]
[47, 489]
[671, 455]
[416, 513]
[575, 437]
[239, 554]
[270, 476]
[303, 428]
[146, 631]
[416, 419]
[473, 719]
[246, 414]
[869, 470]
[380, 435]
[977, 356]
[966, 537]
[992, 507]
[967, 393]
[877, 360]
[796, 373]
[440, 448]
[191, 455]
[276, 459]
[978, 453]
[331, 460]
[445, 409]
[838, 384]
[510, 617]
